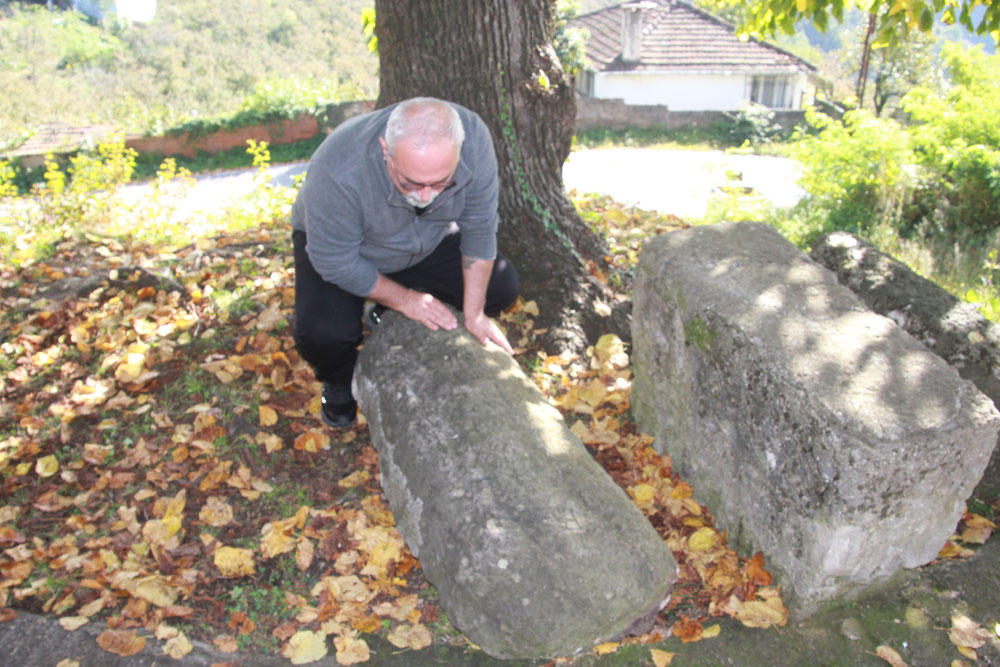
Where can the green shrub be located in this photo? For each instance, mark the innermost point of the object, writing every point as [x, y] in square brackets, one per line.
[752, 125]
[858, 172]
[82, 196]
[956, 139]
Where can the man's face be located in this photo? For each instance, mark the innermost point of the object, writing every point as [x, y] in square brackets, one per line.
[421, 174]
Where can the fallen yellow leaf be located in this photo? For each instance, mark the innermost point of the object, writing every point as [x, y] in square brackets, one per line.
[966, 632]
[711, 631]
[356, 478]
[643, 494]
[234, 562]
[155, 590]
[969, 653]
[891, 656]
[304, 553]
[226, 643]
[399, 608]
[73, 622]
[305, 646]
[610, 351]
[703, 539]
[367, 624]
[606, 648]
[177, 647]
[952, 550]
[121, 642]
[381, 555]
[91, 608]
[271, 442]
[268, 416]
[276, 541]
[661, 658]
[413, 637]
[977, 529]
[351, 650]
[762, 613]
[593, 392]
[47, 466]
[312, 441]
[216, 512]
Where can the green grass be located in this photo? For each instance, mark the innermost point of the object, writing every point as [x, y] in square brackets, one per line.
[965, 267]
[688, 138]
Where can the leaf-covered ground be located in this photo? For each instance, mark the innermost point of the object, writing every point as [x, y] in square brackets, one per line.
[165, 472]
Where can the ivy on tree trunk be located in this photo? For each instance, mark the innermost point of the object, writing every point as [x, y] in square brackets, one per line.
[496, 58]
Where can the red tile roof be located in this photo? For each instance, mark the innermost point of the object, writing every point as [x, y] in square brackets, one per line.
[678, 36]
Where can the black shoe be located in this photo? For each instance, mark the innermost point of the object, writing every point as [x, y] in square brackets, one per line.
[372, 314]
[339, 410]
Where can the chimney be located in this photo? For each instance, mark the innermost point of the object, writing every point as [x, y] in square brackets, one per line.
[632, 30]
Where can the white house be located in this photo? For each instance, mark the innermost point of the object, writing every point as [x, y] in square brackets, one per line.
[672, 53]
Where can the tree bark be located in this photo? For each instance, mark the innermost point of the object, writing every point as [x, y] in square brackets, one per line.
[866, 53]
[496, 58]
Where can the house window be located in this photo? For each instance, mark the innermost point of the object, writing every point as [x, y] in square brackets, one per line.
[585, 83]
[771, 91]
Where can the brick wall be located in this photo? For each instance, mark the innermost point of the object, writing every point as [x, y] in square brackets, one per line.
[304, 126]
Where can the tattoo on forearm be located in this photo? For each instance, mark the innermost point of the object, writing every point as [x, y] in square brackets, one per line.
[467, 262]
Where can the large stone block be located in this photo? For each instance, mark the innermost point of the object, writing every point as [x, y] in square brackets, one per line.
[534, 550]
[817, 431]
[954, 330]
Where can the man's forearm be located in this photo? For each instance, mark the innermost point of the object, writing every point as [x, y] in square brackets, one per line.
[389, 293]
[415, 305]
[476, 276]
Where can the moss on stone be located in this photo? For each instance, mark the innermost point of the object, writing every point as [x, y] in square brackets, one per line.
[699, 333]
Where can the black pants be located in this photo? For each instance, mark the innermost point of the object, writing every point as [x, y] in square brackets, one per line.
[328, 319]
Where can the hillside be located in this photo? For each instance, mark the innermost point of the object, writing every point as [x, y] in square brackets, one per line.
[196, 59]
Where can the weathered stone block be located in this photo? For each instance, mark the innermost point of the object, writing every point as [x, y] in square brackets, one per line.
[534, 550]
[954, 330]
[816, 430]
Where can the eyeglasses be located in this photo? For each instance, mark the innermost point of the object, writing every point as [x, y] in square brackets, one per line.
[408, 186]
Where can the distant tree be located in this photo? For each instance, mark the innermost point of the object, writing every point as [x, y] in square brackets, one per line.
[897, 18]
[497, 58]
[913, 62]
[570, 43]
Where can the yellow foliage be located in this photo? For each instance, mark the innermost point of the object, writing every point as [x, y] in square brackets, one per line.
[305, 646]
[234, 562]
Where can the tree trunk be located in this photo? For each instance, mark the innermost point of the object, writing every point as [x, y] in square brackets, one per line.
[866, 53]
[496, 58]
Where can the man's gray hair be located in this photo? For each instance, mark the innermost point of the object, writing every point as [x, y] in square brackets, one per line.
[423, 121]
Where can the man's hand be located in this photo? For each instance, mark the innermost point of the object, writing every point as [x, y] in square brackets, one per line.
[484, 329]
[427, 310]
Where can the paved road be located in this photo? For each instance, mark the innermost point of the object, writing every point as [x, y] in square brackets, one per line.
[670, 181]
[678, 181]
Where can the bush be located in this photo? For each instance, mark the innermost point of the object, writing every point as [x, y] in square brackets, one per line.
[957, 143]
[752, 125]
[858, 172]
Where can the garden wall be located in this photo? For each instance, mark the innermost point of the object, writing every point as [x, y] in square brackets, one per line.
[305, 126]
[592, 114]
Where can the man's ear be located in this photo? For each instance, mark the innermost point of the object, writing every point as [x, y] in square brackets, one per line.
[385, 147]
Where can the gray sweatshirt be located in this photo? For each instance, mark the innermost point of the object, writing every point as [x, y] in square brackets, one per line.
[357, 223]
